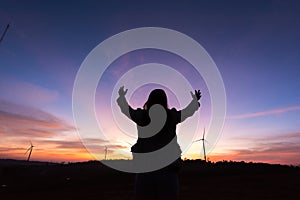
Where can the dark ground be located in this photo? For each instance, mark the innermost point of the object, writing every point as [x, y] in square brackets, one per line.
[92, 180]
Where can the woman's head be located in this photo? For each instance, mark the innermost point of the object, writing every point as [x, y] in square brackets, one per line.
[157, 96]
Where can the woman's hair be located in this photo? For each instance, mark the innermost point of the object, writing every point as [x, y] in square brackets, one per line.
[157, 96]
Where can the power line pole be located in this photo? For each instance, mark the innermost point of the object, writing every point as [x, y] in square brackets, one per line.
[4, 33]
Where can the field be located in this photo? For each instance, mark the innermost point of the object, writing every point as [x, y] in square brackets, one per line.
[92, 180]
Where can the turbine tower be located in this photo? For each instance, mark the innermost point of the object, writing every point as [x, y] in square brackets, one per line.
[105, 151]
[203, 141]
[30, 151]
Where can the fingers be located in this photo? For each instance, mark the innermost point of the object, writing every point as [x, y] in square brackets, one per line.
[197, 94]
[121, 88]
[122, 91]
[192, 94]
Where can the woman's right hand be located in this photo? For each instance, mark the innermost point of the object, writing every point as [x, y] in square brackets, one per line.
[122, 92]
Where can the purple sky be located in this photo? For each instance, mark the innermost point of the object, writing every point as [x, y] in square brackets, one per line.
[255, 46]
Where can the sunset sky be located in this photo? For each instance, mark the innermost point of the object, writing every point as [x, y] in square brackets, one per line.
[255, 45]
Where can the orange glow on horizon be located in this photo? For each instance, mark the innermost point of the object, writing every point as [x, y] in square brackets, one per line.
[63, 155]
[57, 141]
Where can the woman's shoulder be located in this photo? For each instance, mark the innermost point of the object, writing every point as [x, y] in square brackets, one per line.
[175, 114]
[139, 112]
[173, 110]
[138, 109]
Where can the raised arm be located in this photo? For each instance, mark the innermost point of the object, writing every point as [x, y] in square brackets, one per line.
[134, 115]
[122, 102]
[192, 107]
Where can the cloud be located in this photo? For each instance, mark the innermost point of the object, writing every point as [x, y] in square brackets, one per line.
[283, 136]
[25, 121]
[264, 113]
[6, 149]
[95, 144]
[26, 93]
[65, 150]
[278, 152]
[283, 149]
[53, 138]
[291, 136]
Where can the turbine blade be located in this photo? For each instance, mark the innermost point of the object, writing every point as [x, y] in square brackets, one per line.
[207, 142]
[203, 134]
[27, 150]
[197, 140]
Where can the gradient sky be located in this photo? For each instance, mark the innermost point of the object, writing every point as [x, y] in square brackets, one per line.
[255, 45]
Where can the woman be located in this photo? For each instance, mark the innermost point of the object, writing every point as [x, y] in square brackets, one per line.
[162, 183]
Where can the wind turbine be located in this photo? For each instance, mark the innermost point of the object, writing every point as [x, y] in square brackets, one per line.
[105, 151]
[203, 141]
[4, 33]
[30, 151]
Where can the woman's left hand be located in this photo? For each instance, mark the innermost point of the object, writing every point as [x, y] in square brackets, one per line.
[197, 95]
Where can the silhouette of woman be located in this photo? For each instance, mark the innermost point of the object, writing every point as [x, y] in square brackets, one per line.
[162, 183]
